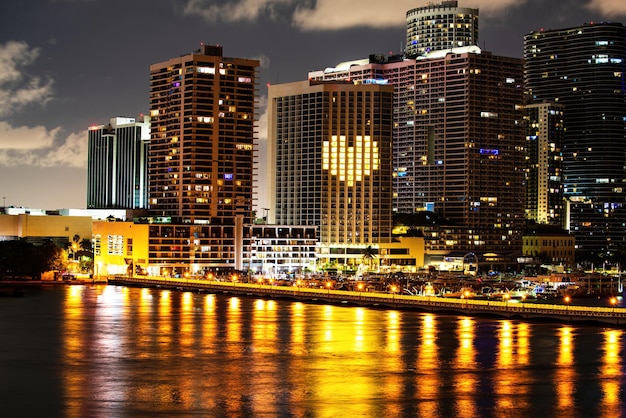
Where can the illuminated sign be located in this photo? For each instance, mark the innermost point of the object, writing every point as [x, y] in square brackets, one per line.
[487, 151]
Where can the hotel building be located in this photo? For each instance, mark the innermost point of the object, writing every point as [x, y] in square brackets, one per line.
[117, 173]
[458, 141]
[331, 145]
[440, 26]
[583, 69]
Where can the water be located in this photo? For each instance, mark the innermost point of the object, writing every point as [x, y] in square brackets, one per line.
[106, 351]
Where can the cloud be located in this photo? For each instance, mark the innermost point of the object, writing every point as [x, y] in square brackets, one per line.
[40, 147]
[18, 88]
[345, 14]
[72, 152]
[35, 146]
[325, 14]
[608, 7]
[25, 138]
[234, 11]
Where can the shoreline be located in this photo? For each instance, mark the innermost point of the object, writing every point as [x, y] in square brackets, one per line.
[566, 313]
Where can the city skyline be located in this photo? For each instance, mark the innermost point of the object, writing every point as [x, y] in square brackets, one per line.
[66, 65]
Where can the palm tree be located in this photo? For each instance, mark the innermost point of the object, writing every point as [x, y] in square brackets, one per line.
[368, 254]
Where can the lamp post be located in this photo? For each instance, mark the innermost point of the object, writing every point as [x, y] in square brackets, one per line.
[567, 300]
[394, 289]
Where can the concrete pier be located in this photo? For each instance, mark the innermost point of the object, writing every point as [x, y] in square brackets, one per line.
[615, 316]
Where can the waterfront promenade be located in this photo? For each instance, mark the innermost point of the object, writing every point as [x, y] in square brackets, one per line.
[615, 316]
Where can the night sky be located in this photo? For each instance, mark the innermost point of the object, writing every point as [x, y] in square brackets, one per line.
[69, 64]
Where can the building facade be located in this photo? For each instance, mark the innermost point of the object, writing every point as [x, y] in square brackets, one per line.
[203, 114]
[331, 145]
[440, 26]
[117, 171]
[544, 163]
[550, 248]
[202, 107]
[584, 69]
[458, 140]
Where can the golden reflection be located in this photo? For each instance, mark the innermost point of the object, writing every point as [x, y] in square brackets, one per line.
[565, 375]
[186, 323]
[513, 382]
[298, 329]
[428, 367]
[327, 327]
[233, 325]
[359, 329]
[341, 348]
[209, 325]
[265, 343]
[264, 329]
[143, 326]
[610, 371]
[465, 362]
[73, 339]
[164, 334]
[393, 386]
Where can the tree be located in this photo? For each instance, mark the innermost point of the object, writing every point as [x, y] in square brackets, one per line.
[20, 258]
[368, 254]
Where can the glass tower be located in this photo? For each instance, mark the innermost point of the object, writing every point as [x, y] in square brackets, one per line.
[584, 70]
[117, 173]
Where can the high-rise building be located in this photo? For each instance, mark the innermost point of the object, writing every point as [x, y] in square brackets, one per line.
[117, 171]
[458, 145]
[544, 163]
[202, 107]
[440, 26]
[331, 147]
[584, 69]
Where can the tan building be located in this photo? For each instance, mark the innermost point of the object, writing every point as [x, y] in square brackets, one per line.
[120, 248]
[550, 248]
[405, 254]
[38, 228]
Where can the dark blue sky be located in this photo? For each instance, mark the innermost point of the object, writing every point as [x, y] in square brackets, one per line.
[69, 64]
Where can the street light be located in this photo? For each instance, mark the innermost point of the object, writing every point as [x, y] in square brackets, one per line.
[613, 301]
[466, 295]
[567, 300]
[328, 285]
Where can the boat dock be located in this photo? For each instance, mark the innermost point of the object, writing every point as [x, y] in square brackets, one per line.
[615, 316]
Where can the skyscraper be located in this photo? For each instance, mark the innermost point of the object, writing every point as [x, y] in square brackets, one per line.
[203, 124]
[458, 140]
[584, 69]
[331, 145]
[203, 114]
[440, 26]
[117, 172]
[544, 163]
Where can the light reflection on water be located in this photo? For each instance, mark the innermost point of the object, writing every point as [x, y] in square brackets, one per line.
[139, 352]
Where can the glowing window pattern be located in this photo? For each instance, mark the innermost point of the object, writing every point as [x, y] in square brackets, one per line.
[350, 163]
